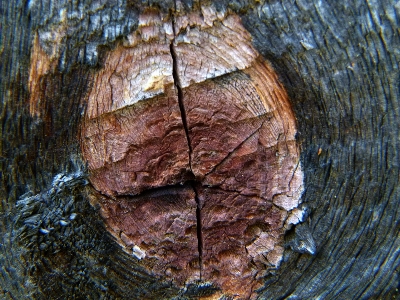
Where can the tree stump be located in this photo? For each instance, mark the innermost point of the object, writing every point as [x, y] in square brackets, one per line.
[180, 150]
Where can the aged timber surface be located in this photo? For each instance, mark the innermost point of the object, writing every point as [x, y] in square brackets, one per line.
[339, 64]
[214, 154]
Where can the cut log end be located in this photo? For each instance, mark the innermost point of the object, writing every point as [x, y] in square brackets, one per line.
[201, 176]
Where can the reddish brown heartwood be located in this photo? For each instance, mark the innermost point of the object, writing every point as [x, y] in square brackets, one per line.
[190, 139]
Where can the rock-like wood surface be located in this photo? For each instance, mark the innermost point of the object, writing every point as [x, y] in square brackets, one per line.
[339, 64]
[137, 148]
[224, 138]
[160, 228]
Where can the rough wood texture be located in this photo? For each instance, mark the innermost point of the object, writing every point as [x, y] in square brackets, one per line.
[337, 60]
[138, 70]
[228, 141]
[158, 227]
[137, 148]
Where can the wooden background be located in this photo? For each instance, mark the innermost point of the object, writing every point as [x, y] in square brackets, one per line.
[339, 62]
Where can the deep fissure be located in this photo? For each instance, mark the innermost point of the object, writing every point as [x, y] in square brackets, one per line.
[199, 230]
[178, 85]
[219, 114]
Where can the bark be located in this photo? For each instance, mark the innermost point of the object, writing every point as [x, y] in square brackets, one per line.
[338, 63]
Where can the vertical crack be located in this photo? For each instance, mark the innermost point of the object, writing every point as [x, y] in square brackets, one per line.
[199, 230]
[177, 82]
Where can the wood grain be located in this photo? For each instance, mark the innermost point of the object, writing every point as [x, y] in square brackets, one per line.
[224, 139]
[339, 64]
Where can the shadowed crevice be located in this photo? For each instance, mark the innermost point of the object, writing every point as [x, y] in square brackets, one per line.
[175, 74]
[199, 229]
[177, 83]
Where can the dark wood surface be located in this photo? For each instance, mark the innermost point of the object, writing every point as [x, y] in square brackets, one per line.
[339, 64]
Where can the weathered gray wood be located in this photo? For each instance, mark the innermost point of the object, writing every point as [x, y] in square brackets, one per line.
[339, 64]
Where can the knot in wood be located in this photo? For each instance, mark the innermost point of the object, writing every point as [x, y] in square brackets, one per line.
[191, 138]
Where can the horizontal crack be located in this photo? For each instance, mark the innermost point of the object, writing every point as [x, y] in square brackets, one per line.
[157, 191]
